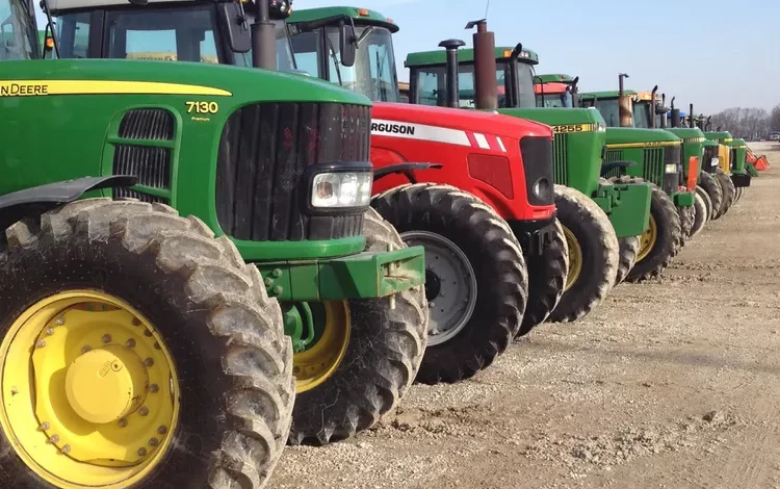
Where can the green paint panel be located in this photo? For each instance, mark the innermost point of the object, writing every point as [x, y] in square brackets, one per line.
[439, 57]
[684, 199]
[555, 78]
[605, 95]
[693, 145]
[629, 207]
[632, 135]
[351, 277]
[717, 135]
[312, 14]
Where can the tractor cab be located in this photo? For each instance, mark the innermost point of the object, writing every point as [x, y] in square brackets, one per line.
[195, 31]
[18, 33]
[559, 91]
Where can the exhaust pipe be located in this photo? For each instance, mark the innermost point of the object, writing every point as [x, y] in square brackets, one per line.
[664, 121]
[652, 104]
[691, 122]
[452, 97]
[624, 104]
[485, 88]
[708, 124]
[675, 113]
[263, 38]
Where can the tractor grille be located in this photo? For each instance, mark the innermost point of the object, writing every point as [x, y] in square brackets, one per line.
[611, 156]
[263, 154]
[560, 159]
[537, 162]
[709, 153]
[653, 165]
[732, 159]
[150, 164]
[672, 156]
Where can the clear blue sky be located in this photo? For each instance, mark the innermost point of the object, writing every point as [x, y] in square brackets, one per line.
[728, 64]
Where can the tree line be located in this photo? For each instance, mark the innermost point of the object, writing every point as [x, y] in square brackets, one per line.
[751, 124]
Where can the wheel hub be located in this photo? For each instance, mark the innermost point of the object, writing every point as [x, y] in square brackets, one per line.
[647, 240]
[432, 285]
[575, 258]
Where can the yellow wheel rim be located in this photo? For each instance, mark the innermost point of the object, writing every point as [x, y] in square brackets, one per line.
[89, 391]
[648, 240]
[317, 363]
[575, 259]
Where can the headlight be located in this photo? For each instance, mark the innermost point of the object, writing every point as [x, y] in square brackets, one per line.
[541, 188]
[671, 168]
[601, 127]
[341, 189]
[715, 161]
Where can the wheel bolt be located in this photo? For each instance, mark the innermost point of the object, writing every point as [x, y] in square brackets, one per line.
[122, 423]
[50, 331]
[86, 349]
[65, 449]
[143, 411]
[162, 430]
[106, 338]
[149, 362]
[154, 388]
[153, 442]
[136, 322]
[147, 333]
[141, 452]
[45, 426]
[157, 346]
[54, 439]
[40, 344]
[130, 343]
[59, 321]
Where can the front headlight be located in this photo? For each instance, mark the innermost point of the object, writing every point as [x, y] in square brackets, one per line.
[671, 168]
[715, 161]
[541, 188]
[341, 189]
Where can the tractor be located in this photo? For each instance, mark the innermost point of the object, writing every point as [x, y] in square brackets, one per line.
[595, 214]
[476, 276]
[553, 94]
[285, 310]
[726, 154]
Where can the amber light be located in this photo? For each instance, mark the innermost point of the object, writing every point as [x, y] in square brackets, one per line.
[363, 12]
[693, 170]
[49, 43]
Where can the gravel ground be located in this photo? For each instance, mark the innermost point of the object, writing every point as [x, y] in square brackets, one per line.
[670, 384]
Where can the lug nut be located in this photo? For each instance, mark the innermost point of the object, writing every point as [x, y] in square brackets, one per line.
[59, 321]
[86, 349]
[162, 430]
[14, 391]
[40, 344]
[157, 346]
[122, 423]
[147, 333]
[106, 338]
[143, 411]
[54, 439]
[149, 362]
[130, 343]
[65, 449]
[136, 322]
[153, 442]
[154, 388]
[50, 331]
[142, 452]
[45, 426]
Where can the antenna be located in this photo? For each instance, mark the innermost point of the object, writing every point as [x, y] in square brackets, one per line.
[487, 9]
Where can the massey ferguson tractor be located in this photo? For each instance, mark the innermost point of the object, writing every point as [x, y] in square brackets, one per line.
[143, 349]
[476, 276]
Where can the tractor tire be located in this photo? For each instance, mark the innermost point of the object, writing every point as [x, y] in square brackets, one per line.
[629, 250]
[663, 240]
[593, 254]
[707, 202]
[714, 189]
[547, 279]
[386, 346]
[728, 191]
[476, 279]
[738, 194]
[700, 214]
[155, 296]
[687, 219]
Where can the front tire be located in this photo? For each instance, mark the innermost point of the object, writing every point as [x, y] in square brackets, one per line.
[687, 219]
[712, 186]
[727, 186]
[629, 251]
[593, 254]
[164, 304]
[384, 348]
[547, 280]
[476, 282]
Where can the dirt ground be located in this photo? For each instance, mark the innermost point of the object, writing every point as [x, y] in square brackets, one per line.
[672, 384]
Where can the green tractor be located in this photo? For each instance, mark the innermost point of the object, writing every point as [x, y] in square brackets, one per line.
[142, 349]
[726, 154]
[580, 137]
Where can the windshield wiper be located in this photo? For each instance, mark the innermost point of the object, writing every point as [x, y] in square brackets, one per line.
[336, 61]
[363, 36]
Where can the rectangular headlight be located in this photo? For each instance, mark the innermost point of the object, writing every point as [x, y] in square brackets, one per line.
[715, 161]
[341, 189]
[671, 168]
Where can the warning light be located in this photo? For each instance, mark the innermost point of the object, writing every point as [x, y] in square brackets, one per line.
[363, 12]
[507, 53]
[49, 43]
[390, 20]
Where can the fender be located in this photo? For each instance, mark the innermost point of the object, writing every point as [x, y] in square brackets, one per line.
[406, 169]
[16, 205]
[606, 168]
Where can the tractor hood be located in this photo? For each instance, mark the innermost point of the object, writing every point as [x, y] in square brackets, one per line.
[407, 118]
[688, 134]
[718, 135]
[637, 137]
[559, 116]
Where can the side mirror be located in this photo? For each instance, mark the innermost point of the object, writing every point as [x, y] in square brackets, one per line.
[347, 44]
[239, 37]
[7, 34]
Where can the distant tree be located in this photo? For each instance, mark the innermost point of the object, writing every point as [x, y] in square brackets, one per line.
[774, 119]
[747, 123]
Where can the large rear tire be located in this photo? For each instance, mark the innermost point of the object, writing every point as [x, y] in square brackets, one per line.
[476, 282]
[593, 254]
[629, 250]
[384, 348]
[712, 186]
[663, 239]
[547, 280]
[200, 389]
[727, 186]
[687, 219]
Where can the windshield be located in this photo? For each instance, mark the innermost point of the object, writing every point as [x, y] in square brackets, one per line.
[554, 100]
[609, 111]
[374, 72]
[642, 115]
[525, 75]
[17, 32]
[163, 34]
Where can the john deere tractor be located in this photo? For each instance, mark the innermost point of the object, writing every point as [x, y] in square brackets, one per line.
[726, 155]
[138, 348]
[577, 154]
[477, 277]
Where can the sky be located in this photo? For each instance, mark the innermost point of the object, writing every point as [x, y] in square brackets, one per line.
[722, 53]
